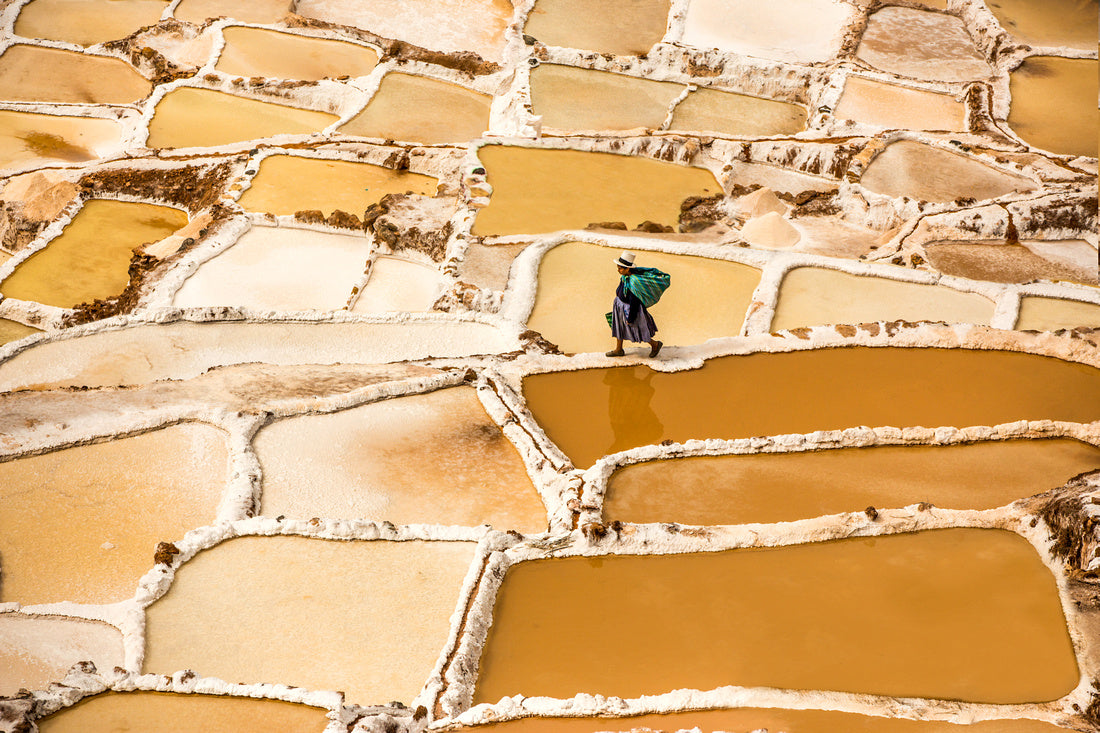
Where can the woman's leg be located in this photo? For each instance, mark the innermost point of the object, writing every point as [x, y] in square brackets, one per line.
[618, 350]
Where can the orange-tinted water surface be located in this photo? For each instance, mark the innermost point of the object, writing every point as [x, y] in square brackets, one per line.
[968, 614]
[593, 412]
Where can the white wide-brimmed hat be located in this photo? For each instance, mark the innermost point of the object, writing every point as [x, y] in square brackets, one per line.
[626, 259]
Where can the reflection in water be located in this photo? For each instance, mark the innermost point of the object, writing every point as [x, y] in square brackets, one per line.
[628, 408]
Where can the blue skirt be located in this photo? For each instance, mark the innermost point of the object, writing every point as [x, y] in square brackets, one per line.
[641, 331]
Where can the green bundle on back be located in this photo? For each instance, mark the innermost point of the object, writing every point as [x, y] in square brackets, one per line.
[648, 284]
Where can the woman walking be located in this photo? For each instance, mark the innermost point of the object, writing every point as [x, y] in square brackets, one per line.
[629, 318]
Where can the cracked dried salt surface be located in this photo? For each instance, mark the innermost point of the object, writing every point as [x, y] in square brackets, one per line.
[745, 489]
[921, 44]
[430, 458]
[367, 618]
[38, 650]
[120, 498]
[159, 712]
[594, 412]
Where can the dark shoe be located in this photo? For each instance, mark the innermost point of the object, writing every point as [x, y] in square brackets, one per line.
[616, 352]
[656, 349]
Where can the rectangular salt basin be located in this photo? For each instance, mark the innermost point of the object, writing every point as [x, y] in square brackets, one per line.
[782, 487]
[726, 113]
[1051, 314]
[261, 52]
[814, 296]
[280, 269]
[159, 712]
[410, 107]
[397, 285]
[94, 252]
[1052, 104]
[621, 27]
[783, 30]
[443, 25]
[542, 190]
[963, 614]
[285, 184]
[368, 618]
[187, 117]
[27, 137]
[148, 353]
[576, 287]
[38, 650]
[246, 11]
[593, 412]
[434, 458]
[926, 173]
[85, 22]
[80, 524]
[40, 74]
[893, 106]
[569, 98]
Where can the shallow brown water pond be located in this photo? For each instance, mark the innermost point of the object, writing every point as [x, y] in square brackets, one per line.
[623, 27]
[964, 614]
[160, 712]
[39, 74]
[593, 412]
[1053, 104]
[780, 487]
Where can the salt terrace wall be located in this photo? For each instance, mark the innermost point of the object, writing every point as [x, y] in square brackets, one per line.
[426, 192]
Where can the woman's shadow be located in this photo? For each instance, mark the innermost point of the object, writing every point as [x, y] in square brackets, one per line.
[633, 420]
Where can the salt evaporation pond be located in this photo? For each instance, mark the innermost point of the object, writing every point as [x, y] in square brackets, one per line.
[38, 650]
[280, 269]
[542, 190]
[86, 23]
[432, 458]
[188, 117]
[246, 11]
[406, 107]
[985, 608]
[737, 114]
[923, 172]
[94, 251]
[593, 412]
[159, 712]
[81, 524]
[39, 74]
[447, 25]
[13, 330]
[285, 184]
[180, 350]
[1051, 23]
[736, 489]
[576, 286]
[620, 27]
[1011, 263]
[783, 30]
[581, 99]
[262, 52]
[367, 618]
[895, 106]
[922, 44]
[1052, 104]
[26, 137]
[398, 285]
[813, 296]
[1051, 314]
